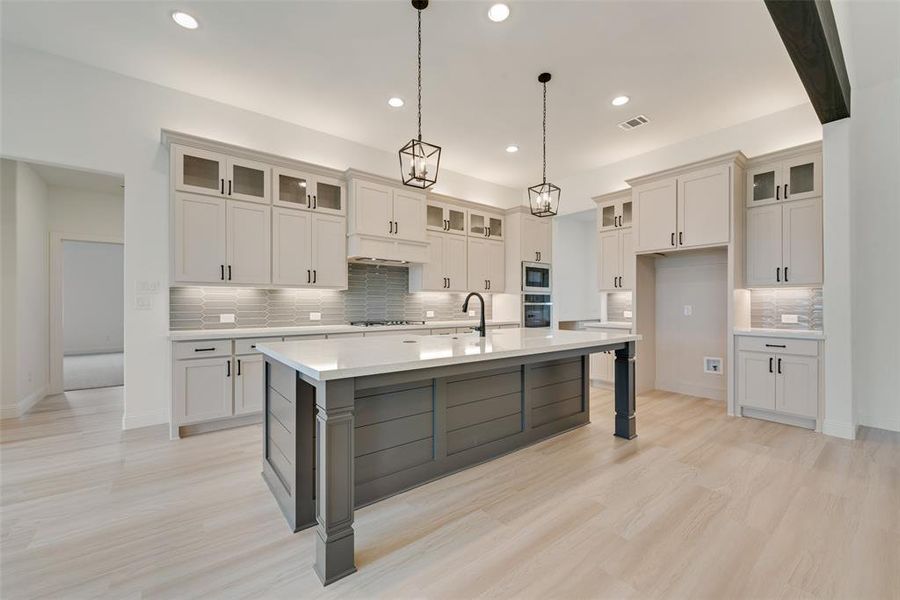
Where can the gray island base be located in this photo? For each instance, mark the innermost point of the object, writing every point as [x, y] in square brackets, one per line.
[350, 422]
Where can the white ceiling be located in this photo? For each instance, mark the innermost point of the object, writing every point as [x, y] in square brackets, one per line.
[80, 180]
[691, 67]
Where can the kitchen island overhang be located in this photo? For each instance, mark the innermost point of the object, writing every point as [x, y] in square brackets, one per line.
[350, 422]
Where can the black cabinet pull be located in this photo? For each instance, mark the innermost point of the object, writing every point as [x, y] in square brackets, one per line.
[779, 366]
[778, 274]
[785, 191]
[308, 276]
[771, 359]
[204, 349]
[785, 273]
[315, 201]
[681, 238]
[229, 272]
[775, 346]
[390, 227]
[222, 186]
[239, 367]
[673, 238]
[778, 192]
[315, 275]
[489, 284]
[309, 200]
[229, 187]
[228, 365]
[222, 275]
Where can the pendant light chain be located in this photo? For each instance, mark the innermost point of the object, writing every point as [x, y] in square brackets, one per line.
[419, 13]
[545, 133]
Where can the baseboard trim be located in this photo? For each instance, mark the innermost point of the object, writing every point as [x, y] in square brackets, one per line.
[691, 390]
[804, 422]
[840, 429]
[28, 402]
[879, 423]
[144, 420]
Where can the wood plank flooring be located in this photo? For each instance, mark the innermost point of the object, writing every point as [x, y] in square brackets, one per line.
[698, 506]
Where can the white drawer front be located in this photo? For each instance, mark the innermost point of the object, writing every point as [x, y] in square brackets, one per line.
[778, 345]
[248, 346]
[304, 338]
[204, 349]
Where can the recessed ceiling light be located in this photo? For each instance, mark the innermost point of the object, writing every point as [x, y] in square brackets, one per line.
[396, 102]
[498, 13]
[185, 20]
[512, 148]
[620, 100]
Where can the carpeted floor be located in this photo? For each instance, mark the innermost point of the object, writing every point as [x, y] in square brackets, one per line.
[84, 371]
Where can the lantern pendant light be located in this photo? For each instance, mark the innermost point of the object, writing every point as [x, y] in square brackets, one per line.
[544, 197]
[419, 161]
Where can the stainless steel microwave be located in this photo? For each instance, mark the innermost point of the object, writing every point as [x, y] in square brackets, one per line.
[536, 277]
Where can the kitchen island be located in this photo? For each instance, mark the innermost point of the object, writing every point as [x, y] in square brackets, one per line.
[349, 422]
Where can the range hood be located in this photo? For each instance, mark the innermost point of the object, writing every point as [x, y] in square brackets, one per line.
[374, 249]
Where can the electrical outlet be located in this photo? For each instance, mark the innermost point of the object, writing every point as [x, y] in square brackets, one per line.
[429, 314]
[471, 313]
[143, 302]
[688, 310]
[226, 318]
[790, 319]
[315, 316]
[712, 365]
[626, 314]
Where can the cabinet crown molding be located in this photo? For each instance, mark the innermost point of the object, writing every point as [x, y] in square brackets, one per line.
[623, 194]
[169, 137]
[737, 157]
[778, 155]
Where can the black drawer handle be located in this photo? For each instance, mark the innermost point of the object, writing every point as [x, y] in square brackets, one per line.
[770, 364]
[779, 366]
[204, 349]
[239, 367]
[775, 346]
[228, 373]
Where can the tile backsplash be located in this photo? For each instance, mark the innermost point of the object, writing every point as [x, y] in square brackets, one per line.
[375, 292]
[616, 305]
[768, 305]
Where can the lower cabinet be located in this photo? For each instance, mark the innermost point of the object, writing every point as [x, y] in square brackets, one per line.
[779, 376]
[603, 364]
[249, 375]
[202, 389]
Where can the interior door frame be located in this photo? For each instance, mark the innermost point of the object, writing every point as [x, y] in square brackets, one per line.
[56, 298]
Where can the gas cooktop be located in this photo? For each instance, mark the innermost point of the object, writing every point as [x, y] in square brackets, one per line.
[384, 323]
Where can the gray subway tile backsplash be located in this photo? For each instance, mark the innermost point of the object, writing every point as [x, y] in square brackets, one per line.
[768, 305]
[616, 305]
[375, 292]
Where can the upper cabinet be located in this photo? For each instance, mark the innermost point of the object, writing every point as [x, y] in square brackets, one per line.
[446, 269]
[486, 265]
[690, 209]
[486, 224]
[614, 213]
[446, 218]
[385, 211]
[792, 178]
[308, 250]
[537, 235]
[296, 189]
[204, 172]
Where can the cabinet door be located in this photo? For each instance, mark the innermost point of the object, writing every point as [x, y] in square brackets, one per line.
[329, 196]
[607, 217]
[655, 204]
[200, 246]
[763, 245]
[477, 272]
[373, 209]
[797, 385]
[456, 220]
[291, 247]
[248, 180]
[537, 239]
[478, 224]
[200, 171]
[756, 380]
[626, 258]
[292, 189]
[704, 207]
[802, 242]
[202, 389]
[248, 242]
[248, 384]
[455, 262]
[608, 262]
[409, 216]
[433, 275]
[496, 274]
[445, 218]
[495, 229]
[764, 184]
[802, 177]
[329, 251]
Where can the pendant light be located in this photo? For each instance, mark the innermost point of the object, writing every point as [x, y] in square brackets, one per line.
[544, 197]
[419, 161]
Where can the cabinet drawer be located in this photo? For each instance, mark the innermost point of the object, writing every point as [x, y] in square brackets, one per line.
[778, 345]
[248, 346]
[203, 349]
[304, 338]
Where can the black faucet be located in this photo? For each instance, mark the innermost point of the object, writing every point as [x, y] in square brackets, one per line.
[481, 328]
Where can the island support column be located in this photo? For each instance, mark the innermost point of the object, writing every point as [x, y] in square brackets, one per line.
[334, 480]
[626, 426]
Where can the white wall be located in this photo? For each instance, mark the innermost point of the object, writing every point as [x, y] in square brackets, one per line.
[66, 113]
[32, 288]
[575, 293]
[8, 405]
[93, 297]
[87, 212]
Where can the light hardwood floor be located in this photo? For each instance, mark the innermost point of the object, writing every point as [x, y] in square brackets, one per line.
[698, 506]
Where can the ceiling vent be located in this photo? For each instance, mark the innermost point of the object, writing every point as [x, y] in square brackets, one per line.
[634, 122]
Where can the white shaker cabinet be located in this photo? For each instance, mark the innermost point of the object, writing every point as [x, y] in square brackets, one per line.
[329, 251]
[218, 174]
[656, 210]
[486, 224]
[247, 238]
[249, 377]
[446, 269]
[785, 244]
[199, 239]
[763, 245]
[616, 261]
[614, 213]
[409, 215]
[385, 211]
[537, 239]
[445, 218]
[486, 265]
[786, 176]
[308, 249]
[704, 207]
[202, 389]
[297, 189]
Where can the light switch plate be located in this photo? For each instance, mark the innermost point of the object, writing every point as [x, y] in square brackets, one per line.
[143, 302]
[226, 318]
[315, 316]
[688, 310]
[789, 318]
[429, 313]
[626, 314]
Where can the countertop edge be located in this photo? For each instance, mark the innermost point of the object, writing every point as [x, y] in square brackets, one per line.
[185, 335]
[799, 334]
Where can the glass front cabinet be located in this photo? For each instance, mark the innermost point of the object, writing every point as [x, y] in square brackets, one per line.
[485, 224]
[614, 214]
[211, 173]
[295, 189]
[446, 218]
[796, 178]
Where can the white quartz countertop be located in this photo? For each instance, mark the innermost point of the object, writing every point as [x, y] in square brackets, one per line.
[800, 334]
[252, 332]
[356, 357]
[607, 324]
